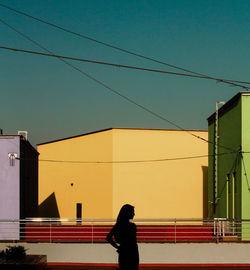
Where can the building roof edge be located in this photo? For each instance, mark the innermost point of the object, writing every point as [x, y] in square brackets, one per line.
[228, 104]
[107, 129]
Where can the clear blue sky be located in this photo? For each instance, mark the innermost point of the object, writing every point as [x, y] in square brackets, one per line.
[51, 101]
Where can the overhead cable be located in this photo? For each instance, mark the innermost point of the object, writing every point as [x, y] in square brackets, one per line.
[96, 80]
[233, 168]
[113, 90]
[116, 47]
[128, 161]
[245, 171]
[120, 66]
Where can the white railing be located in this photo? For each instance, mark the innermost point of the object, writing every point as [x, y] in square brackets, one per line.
[148, 230]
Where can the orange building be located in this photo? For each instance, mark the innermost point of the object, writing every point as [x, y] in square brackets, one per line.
[96, 173]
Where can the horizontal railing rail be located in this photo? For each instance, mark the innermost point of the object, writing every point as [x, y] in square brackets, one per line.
[148, 230]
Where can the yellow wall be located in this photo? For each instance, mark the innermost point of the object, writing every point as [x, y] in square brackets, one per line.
[167, 189]
[92, 183]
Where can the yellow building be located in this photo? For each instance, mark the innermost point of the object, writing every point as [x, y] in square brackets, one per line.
[103, 170]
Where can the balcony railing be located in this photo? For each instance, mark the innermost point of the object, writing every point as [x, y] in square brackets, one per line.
[148, 230]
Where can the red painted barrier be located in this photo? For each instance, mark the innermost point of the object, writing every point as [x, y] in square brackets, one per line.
[97, 233]
[175, 233]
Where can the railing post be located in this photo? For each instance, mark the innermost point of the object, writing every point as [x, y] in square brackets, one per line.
[19, 230]
[217, 230]
[223, 228]
[92, 227]
[50, 231]
[175, 231]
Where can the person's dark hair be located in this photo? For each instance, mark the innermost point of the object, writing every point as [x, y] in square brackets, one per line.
[125, 214]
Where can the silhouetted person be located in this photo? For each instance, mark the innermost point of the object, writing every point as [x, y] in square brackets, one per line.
[123, 237]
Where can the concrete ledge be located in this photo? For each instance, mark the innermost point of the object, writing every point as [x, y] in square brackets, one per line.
[75, 266]
[161, 254]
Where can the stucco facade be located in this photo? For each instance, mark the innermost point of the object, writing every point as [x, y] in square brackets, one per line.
[9, 178]
[229, 194]
[105, 169]
[18, 183]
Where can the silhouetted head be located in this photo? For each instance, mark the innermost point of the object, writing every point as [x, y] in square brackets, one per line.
[126, 213]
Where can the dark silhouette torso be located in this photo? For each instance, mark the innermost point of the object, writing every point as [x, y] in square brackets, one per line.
[125, 235]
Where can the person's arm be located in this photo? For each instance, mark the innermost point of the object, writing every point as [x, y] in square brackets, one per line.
[109, 238]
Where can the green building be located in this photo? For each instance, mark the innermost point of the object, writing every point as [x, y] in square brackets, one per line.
[229, 159]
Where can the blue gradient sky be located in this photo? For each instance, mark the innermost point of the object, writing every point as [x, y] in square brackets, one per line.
[52, 101]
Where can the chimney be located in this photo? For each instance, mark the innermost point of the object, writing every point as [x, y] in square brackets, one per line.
[24, 134]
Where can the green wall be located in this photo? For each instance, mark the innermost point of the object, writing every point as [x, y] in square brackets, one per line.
[245, 137]
[229, 131]
[234, 132]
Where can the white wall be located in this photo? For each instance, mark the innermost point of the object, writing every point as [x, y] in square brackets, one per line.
[9, 186]
[199, 253]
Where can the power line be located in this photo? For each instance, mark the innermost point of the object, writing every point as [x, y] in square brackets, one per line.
[238, 155]
[119, 65]
[113, 90]
[96, 80]
[244, 167]
[127, 161]
[116, 47]
[232, 168]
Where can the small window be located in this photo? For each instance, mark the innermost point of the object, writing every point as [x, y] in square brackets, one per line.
[79, 212]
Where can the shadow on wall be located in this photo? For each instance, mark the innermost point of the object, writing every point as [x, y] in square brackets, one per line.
[48, 208]
[205, 191]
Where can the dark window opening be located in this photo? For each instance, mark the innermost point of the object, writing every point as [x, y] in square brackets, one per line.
[79, 212]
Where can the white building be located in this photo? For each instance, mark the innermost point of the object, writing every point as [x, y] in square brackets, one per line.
[18, 182]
